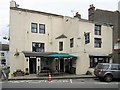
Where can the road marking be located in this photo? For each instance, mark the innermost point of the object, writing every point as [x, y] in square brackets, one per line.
[15, 81]
[80, 81]
[33, 82]
[70, 80]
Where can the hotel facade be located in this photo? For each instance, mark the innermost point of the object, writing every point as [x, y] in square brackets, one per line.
[40, 40]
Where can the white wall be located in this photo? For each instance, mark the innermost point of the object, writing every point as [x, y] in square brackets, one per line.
[21, 37]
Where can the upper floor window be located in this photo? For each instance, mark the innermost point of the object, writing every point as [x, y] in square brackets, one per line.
[71, 42]
[2, 54]
[87, 38]
[34, 27]
[60, 46]
[97, 42]
[97, 29]
[38, 47]
[42, 28]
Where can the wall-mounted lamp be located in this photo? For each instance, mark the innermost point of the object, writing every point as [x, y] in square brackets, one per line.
[66, 20]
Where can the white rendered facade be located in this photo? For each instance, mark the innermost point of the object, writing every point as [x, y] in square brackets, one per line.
[21, 39]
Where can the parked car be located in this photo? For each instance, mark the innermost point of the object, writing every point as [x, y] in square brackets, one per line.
[107, 71]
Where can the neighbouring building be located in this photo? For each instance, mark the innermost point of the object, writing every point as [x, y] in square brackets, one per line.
[40, 40]
[119, 6]
[4, 54]
[109, 18]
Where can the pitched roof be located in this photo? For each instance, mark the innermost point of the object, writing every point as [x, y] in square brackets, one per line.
[61, 36]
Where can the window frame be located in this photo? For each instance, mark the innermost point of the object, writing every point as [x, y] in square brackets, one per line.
[97, 42]
[95, 60]
[34, 29]
[2, 54]
[97, 30]
[87, 38]
[41, 29]
[61, 46]
[71, 42]
[114, 67]
[39, 47]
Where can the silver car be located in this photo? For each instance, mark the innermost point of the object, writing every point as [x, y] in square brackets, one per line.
[107, 71]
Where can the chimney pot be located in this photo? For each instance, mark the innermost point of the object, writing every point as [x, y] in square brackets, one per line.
[90, 6]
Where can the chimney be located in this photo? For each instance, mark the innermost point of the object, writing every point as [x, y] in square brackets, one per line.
[78, 15]
[13, 4]
[91, 11]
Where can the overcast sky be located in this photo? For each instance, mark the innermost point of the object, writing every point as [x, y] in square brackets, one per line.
[62, 7]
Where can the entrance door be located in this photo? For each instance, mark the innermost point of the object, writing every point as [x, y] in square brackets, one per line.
[32, 65]
[61, 65]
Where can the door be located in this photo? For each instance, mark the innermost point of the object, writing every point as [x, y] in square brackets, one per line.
[32, 65]
[61, 65]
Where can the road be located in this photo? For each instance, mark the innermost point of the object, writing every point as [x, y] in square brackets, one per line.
[63, 83]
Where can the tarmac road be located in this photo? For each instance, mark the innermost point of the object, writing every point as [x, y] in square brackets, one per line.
[63, 83]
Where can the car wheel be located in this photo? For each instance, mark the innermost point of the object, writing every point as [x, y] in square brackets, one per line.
[108, 78]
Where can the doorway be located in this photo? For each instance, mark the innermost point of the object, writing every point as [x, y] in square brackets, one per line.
[61, 65]
[32, 65]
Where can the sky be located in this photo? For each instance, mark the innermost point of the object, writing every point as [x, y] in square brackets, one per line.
[61, 7]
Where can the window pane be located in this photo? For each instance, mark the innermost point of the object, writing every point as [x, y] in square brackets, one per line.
[37, 47]
[114, 67]
[42, 28]
[34, 27]
[97, 42]
[71, 42]
[2, 54]
[60, 46]
[87, 38]
[97, 29]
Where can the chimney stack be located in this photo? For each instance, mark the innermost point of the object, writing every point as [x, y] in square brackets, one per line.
[91, 11]
[13, 4]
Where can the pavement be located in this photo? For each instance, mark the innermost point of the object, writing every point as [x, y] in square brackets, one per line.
[35, 77]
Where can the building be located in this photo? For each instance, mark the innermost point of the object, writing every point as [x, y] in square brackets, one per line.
[40, 40]
[109, 18]
[119, 6]
[4, 54]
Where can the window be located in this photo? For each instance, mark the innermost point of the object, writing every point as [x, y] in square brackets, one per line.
[114, 67]
[97, 29]
[2, 54]
[87, 38]
[3, 61]
[42, 28]
[71, 42]
[95, 60]
[34, 27]
[37, 47]
[97, 42]
[60, 46]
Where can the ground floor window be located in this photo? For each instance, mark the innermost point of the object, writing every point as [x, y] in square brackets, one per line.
[38, 47]
[95, 60]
